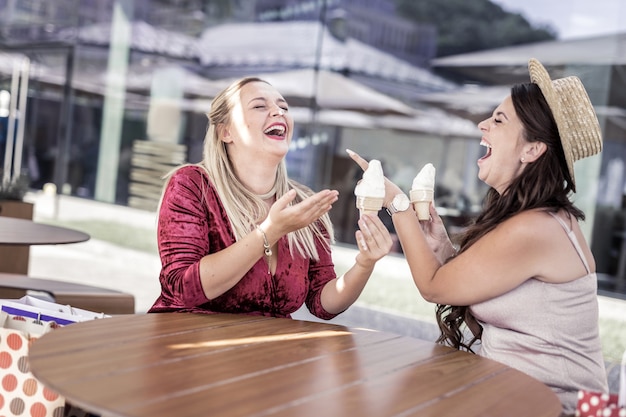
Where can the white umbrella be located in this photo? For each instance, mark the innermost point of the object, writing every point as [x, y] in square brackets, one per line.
[431, 120]
[334, 91]
[331, 91]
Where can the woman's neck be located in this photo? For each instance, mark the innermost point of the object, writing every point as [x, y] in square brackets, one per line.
[260, 180]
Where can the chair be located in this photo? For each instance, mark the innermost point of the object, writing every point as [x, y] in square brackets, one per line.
[86, 297]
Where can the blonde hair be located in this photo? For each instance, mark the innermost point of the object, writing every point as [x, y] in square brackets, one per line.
[244, 208]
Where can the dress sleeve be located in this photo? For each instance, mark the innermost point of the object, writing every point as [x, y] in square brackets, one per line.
[183, 236]
[320, 273]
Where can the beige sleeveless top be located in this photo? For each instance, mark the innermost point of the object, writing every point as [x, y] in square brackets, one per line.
[549, 331]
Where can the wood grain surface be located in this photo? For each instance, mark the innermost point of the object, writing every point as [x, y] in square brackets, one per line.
[186, 365]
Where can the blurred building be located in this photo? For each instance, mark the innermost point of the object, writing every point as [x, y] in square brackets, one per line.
[105, 75]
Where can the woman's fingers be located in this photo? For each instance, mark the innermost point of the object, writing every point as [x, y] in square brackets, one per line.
[373, 237]
[319, 203]
[391, 189]
[358, 159]
[296, 216]
[434, 215]
[284, 201]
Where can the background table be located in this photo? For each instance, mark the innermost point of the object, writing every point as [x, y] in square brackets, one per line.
[87, 297]
[187, 365]
[14, 281]
[15, 231]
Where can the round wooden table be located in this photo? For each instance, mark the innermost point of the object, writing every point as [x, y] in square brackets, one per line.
[15, 231]
[179, 364]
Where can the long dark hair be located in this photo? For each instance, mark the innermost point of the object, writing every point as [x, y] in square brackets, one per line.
[545, 183]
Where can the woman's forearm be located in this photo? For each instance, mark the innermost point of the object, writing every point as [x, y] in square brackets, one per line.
[341, 292]
[222, 270]
[422, 261]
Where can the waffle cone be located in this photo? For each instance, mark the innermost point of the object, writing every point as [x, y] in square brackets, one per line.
[421, 199]
[420, 194]
[422, 208]
[373, 204]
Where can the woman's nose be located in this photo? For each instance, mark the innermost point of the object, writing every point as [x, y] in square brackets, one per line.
[483, 125]
[277, 111]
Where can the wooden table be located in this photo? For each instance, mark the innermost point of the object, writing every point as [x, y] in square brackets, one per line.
[186, 365]
[15, 231]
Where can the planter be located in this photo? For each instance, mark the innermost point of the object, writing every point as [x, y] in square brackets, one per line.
[14, 259]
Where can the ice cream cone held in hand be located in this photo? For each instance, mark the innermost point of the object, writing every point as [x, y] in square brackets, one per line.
[370, 191]
[423, 191]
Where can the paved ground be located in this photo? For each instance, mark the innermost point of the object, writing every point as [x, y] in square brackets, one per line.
[101, 263]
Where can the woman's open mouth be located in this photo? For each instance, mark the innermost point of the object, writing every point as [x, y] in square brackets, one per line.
[276, 131]
[488, 146]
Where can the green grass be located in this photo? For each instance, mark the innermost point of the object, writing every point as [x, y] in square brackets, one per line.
[399, 295]
[613, 335]
[130, 237]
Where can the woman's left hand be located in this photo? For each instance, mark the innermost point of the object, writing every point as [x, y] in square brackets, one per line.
[373, 240]
[437, 236]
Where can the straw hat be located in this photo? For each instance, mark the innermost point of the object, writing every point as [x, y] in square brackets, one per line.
[573, 112]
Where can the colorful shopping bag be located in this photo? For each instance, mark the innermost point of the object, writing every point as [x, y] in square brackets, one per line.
[597, 404]
[21, 394]
[35, 308]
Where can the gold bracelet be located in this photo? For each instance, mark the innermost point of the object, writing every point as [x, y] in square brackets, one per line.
[266, 245]
[267, 249]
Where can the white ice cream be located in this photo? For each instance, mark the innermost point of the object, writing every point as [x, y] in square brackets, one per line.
[423, 191]
[373, 182]
[425, 179]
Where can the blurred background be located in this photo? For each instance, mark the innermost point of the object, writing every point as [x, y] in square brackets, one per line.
[100, 98]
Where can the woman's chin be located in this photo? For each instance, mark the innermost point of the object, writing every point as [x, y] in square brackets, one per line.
[482, 174]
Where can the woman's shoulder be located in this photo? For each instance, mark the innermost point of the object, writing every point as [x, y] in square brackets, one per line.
[545, 239]
[190, 170]
[190, 174]
[531, 222]
[190, 178]
[538, 229]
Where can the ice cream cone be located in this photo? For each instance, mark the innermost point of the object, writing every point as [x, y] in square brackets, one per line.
[421, 200]
[423, 191]
[369, 205]
[370, 191]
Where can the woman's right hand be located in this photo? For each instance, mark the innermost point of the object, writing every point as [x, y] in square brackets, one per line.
[391, 189]
[434, 229]
[284, 217]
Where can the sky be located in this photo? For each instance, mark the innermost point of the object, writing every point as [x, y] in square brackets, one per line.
[572, 18]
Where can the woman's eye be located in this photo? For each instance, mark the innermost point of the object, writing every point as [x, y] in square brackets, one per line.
[497, 120]
[285, 108]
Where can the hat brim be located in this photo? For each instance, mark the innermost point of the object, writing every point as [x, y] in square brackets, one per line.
[573, 113]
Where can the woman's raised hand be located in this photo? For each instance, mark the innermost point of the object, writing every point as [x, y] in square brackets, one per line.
[391, 189]
[284, 218]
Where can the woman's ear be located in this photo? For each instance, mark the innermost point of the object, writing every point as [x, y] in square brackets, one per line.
[223, 133]
[534, 150]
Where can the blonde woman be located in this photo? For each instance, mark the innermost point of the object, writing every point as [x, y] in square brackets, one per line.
[236, 235]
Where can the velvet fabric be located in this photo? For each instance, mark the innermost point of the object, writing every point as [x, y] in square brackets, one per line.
[192, 224]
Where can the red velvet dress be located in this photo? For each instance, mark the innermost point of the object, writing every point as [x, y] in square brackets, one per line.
[192, 224]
